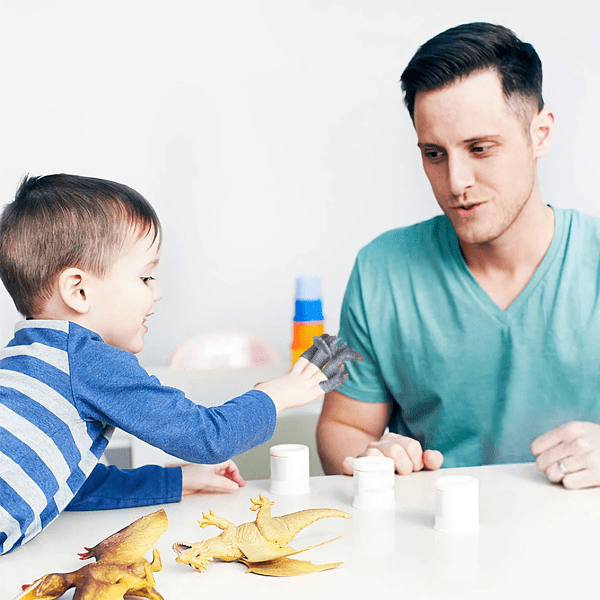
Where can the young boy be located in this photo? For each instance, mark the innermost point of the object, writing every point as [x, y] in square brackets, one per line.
[78, 255]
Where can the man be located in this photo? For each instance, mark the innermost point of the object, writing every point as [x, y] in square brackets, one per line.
[479, 329]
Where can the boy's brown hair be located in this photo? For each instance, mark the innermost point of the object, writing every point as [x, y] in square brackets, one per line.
[61, 221]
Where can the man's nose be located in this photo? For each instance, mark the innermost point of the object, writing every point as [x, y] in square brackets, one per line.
[460, 174]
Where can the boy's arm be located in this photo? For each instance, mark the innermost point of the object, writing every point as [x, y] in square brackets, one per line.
[109, 386]
[110, 487]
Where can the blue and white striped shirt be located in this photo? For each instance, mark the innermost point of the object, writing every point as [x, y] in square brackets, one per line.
[62, 392]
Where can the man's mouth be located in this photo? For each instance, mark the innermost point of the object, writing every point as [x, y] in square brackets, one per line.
[467, 208]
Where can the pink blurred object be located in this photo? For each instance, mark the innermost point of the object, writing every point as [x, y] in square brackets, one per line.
[223, 350]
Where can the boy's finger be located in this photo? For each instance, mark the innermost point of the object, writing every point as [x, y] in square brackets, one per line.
[303, 365]
[332, 383]
[218, 483]
[233, 473]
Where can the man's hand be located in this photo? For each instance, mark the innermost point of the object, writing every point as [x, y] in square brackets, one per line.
[407, 453]
[223, 477]
[570, 454]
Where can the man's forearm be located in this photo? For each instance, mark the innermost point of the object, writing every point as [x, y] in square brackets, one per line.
[336, 441]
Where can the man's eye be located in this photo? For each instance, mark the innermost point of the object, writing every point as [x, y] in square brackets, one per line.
[433, 155]
[480, 149]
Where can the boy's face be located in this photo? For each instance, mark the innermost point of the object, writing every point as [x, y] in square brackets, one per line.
[478, 157]
[123, 299]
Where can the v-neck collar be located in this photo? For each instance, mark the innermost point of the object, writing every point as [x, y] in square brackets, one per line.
[485, 300]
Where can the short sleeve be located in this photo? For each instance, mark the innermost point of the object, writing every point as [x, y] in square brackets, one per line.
[364, 378]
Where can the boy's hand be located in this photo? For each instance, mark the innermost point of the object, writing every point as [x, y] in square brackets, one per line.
[224, 477]
[328, 356]
[297, 388]
[319, 369]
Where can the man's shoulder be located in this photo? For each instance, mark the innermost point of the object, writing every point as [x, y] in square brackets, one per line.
[581, 230]
[416, 238]
[573, 217]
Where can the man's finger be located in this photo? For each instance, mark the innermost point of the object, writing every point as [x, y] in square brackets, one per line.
[551, 456]
[433, 459]
[402, 463]
[563, 433]
[581, 479]
[348, 465]
[414, 452]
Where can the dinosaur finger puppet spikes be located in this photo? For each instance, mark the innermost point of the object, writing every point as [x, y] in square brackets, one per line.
[261, 545]
[330, 357]
[120, 568]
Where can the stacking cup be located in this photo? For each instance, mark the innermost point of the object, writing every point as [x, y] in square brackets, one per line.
[456, 504]
[289, 469]
[374, 483]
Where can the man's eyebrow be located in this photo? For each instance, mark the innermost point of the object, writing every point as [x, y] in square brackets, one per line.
[479, 138]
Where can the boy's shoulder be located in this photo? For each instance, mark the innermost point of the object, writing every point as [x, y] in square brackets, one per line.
[81, 354]
[48, 332]
[44, 340]
[44, 336]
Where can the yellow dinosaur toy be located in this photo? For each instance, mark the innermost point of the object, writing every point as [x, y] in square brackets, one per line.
[120, 568]
[261, 545]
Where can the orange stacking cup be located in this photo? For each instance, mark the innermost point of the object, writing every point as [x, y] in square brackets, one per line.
[308, 317]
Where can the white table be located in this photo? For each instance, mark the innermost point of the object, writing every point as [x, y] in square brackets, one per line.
[537, 541]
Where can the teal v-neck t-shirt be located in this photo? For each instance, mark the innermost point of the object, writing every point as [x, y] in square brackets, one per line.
[464, 376]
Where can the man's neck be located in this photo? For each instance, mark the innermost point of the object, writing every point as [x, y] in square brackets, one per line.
[504, 266]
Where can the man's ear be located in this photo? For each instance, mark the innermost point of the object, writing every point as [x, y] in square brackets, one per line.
[542, 132]
[72, 287]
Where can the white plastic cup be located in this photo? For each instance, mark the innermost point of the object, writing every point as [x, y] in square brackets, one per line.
[456, 504]
[374, 483]
[289, 469]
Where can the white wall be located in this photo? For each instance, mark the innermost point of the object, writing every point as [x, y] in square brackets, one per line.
[269, 135]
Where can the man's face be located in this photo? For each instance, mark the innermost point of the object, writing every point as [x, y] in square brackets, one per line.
[125, 296]
[477, 156]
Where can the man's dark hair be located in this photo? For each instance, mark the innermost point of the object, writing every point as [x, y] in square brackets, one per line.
[61, 221]
[462, 50]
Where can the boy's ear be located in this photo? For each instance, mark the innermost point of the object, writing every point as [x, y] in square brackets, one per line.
[72, 287]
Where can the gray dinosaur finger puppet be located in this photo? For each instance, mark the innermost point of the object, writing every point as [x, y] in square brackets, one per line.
[330, 357]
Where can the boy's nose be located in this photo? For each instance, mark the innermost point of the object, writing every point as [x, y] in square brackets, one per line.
[156, 295]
